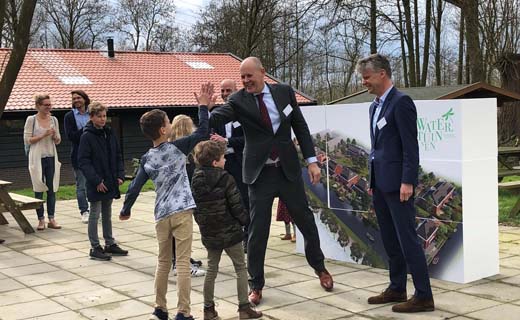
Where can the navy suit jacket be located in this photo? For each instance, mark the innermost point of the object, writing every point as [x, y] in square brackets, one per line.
[395, 148]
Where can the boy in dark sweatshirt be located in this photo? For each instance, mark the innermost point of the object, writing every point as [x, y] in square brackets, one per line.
[220, 216]
[100, 160]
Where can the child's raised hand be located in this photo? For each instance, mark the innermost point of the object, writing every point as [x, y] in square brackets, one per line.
[213, 101]
[119, 181]
[205, 95]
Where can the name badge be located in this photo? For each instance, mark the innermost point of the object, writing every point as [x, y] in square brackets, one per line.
[287, 111]
[381, 123]
[236, 124]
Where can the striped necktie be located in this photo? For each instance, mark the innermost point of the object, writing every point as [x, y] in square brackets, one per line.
[377, 105]
[266, 121]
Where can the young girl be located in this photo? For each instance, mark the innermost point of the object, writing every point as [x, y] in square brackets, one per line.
[183, 126]
[282, 214]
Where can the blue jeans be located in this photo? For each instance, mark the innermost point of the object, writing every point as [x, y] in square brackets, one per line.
[48, 177]
[104, 208]
[81, 190]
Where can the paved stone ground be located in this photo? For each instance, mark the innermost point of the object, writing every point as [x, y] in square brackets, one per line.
[48, 275]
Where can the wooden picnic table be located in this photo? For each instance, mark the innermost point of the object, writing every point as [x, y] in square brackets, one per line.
[508, 169]
[513, 186]
[15, 203]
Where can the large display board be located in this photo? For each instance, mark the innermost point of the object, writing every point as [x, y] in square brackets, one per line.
[456, 199]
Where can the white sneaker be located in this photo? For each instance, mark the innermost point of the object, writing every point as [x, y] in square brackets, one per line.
[197, 272]
[84, 216]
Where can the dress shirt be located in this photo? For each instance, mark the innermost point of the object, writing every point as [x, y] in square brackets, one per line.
[378, 110]
[229, 134]
[275, 117]
[81, 119]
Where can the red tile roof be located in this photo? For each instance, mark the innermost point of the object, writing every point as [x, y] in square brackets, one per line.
[131, 79]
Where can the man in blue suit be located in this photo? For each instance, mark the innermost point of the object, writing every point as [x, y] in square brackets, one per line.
[393, 167]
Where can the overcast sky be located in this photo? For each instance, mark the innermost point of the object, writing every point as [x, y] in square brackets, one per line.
[188, 11]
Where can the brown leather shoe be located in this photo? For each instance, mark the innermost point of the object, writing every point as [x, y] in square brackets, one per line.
[53, 225]
[415, 304]
[326, 281]
[255, 296]
[387, 296]
[286, 237]
[210, 313]
[248, 312]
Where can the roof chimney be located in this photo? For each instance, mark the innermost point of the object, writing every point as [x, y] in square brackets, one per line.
[110, 45]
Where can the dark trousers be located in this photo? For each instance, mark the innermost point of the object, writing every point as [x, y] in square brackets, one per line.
[47, 176]
[397, 224]
[270, 184]
[234, 167]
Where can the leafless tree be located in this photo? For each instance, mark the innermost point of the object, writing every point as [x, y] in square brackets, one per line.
[21, 42]
[474, 50]
[76, 24]
[11, 13]
[142, 21]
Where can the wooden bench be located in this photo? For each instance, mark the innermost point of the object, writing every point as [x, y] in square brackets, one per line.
[508, 172]
[512, 186]
[15, 203]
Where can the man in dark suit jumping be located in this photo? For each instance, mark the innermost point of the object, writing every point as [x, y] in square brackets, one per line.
[394, 165]
[267, 112]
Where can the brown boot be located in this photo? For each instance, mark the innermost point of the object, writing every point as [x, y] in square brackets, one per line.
[415, 304]
[387, 296]
[247, 312]
[210, 313]
[286, 237]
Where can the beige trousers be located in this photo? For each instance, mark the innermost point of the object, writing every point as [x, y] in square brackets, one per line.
[180, 227]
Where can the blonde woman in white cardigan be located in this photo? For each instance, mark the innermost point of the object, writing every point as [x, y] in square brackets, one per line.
[42, 134]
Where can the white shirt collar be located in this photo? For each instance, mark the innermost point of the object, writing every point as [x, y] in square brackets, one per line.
[383, 97]
[266, 89]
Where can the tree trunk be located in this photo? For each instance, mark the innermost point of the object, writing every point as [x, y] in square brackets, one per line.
[460, 69]
[438, 29]
[403, 51]
[409, 42]
[467, 66]
[473, 49]
[509, 112]
[3, 13]
[21, 42]
[426, 53]
[472, 39]
[373, 26]
[417, 44]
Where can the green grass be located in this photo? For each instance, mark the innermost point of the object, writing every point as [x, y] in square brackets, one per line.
[69, 192]
[506, 201]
